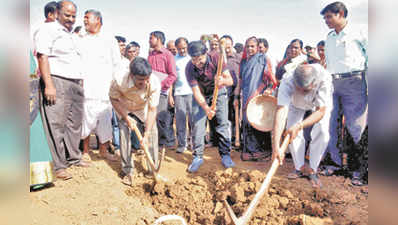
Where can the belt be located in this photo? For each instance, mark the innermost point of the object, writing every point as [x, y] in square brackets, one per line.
[347, 75]
[77, 81]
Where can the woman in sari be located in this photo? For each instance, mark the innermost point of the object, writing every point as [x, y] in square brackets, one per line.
[256, 77]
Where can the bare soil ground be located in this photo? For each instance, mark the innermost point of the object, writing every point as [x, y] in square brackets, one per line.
[96, 195]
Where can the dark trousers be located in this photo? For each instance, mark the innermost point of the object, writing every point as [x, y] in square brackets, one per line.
[255, 140]
[63, 121]
[164, 121]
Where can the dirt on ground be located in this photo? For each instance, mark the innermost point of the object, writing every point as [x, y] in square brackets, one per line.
[96, 195]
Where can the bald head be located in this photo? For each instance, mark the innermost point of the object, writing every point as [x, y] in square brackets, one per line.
[171, 47]
[304, 75]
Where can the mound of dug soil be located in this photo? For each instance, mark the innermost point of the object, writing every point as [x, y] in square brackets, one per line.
[199, 199]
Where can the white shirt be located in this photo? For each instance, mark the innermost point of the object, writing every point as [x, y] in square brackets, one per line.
[55, 41]
[321, 95]
[181, 86]
[346, 51]
[101, 60]
[125, 63]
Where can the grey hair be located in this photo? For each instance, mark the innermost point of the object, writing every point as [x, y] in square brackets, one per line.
[96, 13]
[304, 75]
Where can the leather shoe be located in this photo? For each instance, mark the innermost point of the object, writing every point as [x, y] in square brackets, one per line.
[62, 174]
[83, 163]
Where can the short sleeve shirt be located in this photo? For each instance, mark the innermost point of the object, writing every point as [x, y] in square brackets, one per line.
[204, 77]
[346, 51]
[136, 100]
[60, 45]
[320, 96]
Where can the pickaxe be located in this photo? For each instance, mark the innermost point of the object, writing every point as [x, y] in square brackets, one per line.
[154, 169]
[245, 218]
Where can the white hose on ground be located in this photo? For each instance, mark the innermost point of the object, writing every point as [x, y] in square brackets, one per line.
[169, 217]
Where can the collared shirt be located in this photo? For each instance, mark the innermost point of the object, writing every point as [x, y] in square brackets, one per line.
[125, 63]
[101, 60]
[163, 61]
[346, 51]
[135, 100]
[320, 95]
[55, 41]
[233, 63]
[204, 77]
[181, 86]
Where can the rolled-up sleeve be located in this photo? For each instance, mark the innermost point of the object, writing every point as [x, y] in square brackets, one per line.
[114, 91]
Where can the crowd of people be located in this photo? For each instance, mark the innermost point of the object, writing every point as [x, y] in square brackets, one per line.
[85, 81]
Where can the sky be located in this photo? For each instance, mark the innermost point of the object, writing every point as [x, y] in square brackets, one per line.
[279, 21]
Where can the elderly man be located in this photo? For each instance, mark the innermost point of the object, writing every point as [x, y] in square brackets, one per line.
[135, 97]
[309, 88]
[163, 62]
[201, 72]
[172, 47]
[101, 59]
[62, 91]
[346, 59]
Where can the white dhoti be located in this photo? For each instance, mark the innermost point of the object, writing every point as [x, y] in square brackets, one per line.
[319, 139]
[97, 118]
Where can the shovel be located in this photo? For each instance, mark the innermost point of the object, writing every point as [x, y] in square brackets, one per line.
[245, 218]
[154, 169]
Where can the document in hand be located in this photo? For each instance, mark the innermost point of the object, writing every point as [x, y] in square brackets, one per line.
[161, 76]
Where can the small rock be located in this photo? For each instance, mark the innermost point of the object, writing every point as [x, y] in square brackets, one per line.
[283, 202]
[228, 173]
[217, 208]
[287, 194]
[237, 193]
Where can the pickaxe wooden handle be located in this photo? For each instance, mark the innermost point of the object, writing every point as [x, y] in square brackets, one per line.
[147, 154]
[237, 137]
[218, 75]
[245, 218]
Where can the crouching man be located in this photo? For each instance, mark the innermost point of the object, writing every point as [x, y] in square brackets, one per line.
[135, 97]
[309, 88]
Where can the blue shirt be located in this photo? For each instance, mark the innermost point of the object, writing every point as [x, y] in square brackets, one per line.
[181, 86]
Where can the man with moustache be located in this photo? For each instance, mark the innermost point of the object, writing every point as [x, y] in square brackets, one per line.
[182, 100]
[101, 59]
[62, 91]
[163, 62]
[171, 47]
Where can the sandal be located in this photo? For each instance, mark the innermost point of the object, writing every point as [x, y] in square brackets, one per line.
[295, 174]
[315, 181]
[328, 171]
[127, 180]
[356, 179]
